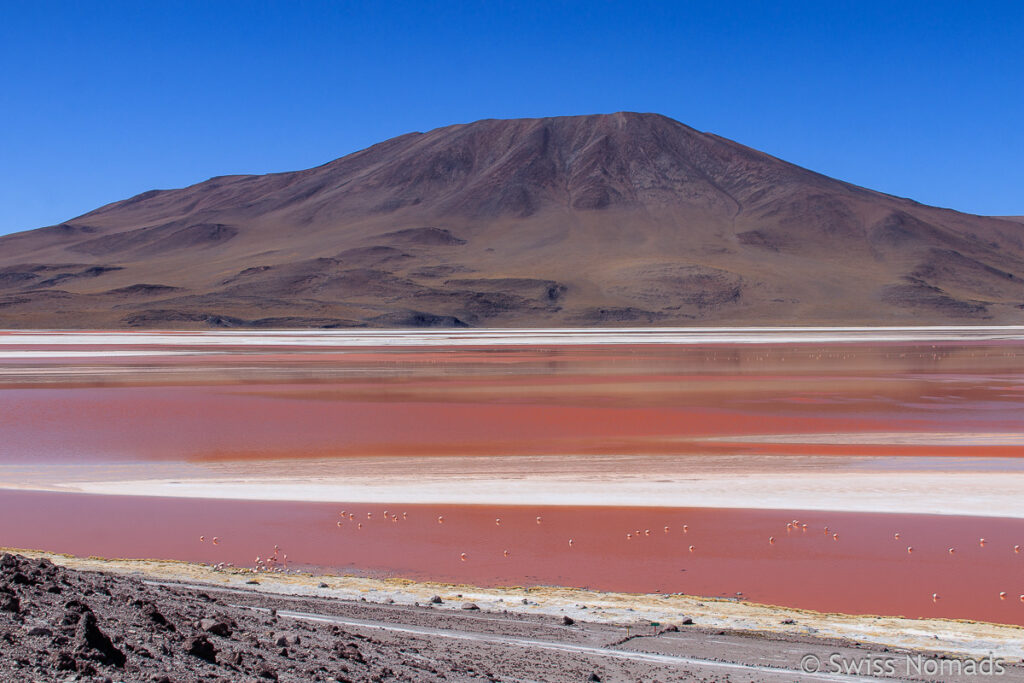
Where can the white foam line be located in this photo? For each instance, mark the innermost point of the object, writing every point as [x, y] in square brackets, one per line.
[568, 336]
[982, 494]
[89, 354]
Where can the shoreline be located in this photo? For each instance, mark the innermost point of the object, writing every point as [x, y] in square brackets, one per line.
[940, 636]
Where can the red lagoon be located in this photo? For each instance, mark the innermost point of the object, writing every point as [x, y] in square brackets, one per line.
[857, 566]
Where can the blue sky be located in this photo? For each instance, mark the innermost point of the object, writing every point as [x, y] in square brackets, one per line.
[103, 100]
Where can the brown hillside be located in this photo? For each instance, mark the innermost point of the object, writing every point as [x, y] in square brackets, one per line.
[572, 221]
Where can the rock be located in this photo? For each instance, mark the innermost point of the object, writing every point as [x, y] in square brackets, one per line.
[349, 651]
[157, 617]
[671, 628]
[253, 582]
[10, 603]
[216, 627]
[788, 621]
[568, 621]
[686, 621]
[8, 561]
[77, 606]
[470, 606]
[161, 678]
[201, 647]
[20, 579]
[40, 631]
[322, 585]
[268, 673]
[62, 661]
[594, 677]
[436, 600]
[281, 641]
[89, 637]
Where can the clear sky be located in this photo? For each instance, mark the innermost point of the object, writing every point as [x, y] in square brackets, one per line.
[103, 100]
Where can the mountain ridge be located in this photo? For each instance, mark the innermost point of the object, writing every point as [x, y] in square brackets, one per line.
[603, 219]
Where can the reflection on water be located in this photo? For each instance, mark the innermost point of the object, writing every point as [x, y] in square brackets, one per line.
[250, 402]
[499, 416]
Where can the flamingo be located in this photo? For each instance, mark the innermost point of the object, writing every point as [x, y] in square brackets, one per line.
[440, 519]
[571, 542]
[835, 537]
[359, 526]
[538, 520]
[771, 540]
[647, 532]
[216, 541]
[686, 528]
[910, 549]
[405, 515]
[369, 515]
[1002, 595]
[463, 557]
[339, 524]
[497, 522]
[982, 542]
[506, 553]
[896, 535]
[666, 530]
[202, 539]
[629, 537]
[692, 548]
[1016, 548]
[952, 551]
[935, 597]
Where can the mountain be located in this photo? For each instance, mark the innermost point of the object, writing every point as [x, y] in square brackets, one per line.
[620, 219]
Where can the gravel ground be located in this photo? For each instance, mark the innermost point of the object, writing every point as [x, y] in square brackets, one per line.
[58, 624]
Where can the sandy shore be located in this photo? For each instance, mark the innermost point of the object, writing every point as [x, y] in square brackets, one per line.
[934, 635]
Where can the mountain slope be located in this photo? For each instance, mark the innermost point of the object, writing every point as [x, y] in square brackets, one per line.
[607, 219]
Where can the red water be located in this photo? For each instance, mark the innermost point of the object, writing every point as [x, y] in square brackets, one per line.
[866, 571]
[259, 404]
[555, 400]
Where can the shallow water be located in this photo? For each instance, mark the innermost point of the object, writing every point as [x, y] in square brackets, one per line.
[202, 405]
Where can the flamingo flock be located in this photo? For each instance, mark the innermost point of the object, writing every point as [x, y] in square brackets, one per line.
[278, 560]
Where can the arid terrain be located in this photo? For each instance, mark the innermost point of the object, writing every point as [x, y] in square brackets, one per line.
[61, 619]
[620, 219]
